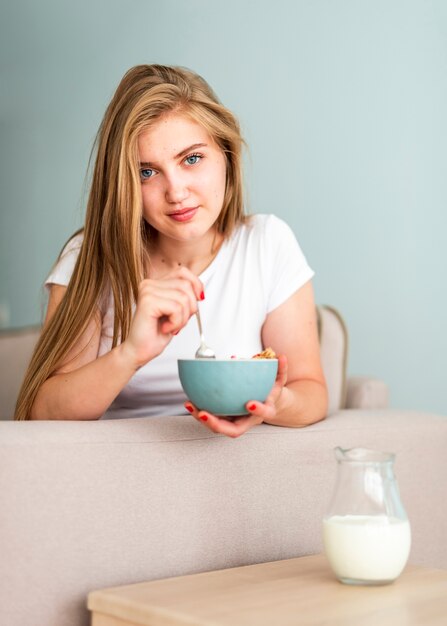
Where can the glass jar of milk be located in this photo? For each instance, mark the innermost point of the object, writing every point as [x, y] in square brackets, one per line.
[366, 532]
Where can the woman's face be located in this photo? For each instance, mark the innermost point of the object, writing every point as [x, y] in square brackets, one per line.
[183, 175]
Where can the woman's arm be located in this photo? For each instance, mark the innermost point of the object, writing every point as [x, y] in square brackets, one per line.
[85, 385]
[291, 330]
[299, 396]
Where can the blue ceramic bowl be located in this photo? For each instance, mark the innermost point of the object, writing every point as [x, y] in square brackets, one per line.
[224, 386]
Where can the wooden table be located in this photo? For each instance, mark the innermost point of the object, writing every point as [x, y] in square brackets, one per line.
[300, 591]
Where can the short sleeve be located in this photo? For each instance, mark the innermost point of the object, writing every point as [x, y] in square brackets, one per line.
[63, 269]
[289, 267]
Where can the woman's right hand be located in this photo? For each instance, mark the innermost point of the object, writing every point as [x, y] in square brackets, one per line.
[163, 308]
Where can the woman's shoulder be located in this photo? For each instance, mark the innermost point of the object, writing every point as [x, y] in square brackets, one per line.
[64, 266]
[265, 225]
[73, 244]
[262, 220]
[272, 236]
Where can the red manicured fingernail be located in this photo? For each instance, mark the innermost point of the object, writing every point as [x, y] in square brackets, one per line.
[202, 295]
[204, 418]
[189, 408]
[176, 333]
[252, 407]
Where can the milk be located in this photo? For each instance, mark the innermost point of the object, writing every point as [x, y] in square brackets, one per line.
[366, 548]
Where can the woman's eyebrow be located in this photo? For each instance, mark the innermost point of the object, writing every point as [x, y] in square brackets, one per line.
[194, 146]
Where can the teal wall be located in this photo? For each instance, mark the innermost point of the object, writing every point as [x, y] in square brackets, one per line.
[343, 104]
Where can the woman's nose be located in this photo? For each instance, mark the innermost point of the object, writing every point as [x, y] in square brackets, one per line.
[176, 189]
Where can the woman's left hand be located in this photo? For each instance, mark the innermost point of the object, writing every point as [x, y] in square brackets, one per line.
[258, 412]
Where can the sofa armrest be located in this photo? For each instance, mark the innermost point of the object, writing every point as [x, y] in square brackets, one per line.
[366, 393]
[16, 349]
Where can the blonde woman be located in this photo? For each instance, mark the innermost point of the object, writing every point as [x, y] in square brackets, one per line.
[165, 228]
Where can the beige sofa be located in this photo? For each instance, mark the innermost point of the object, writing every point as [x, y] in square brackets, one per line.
[91, 505]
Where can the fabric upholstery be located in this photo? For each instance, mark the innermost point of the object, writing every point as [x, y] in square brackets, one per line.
[16, 348]
[334, 354]
[86, 505]
[366, 393]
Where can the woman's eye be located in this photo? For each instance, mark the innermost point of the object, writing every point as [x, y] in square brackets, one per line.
[147, 173]
[192, 159]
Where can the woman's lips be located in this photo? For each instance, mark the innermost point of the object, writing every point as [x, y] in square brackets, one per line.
[184, 215]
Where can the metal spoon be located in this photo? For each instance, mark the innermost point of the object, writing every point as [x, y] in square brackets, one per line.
[203, 352]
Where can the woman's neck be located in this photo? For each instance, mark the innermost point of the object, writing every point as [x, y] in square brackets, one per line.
[166, 254]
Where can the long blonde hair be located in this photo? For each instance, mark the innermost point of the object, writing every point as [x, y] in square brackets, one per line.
[114, 250]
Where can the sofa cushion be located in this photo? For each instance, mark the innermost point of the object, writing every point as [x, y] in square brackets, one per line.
[16, 348]
[88, 505]
[334, 354]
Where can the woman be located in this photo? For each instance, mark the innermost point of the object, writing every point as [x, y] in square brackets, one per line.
[165, 228]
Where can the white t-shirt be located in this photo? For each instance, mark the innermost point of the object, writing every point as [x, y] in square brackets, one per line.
[258, 268]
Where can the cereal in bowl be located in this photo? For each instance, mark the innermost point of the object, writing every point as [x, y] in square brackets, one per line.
[268, 353]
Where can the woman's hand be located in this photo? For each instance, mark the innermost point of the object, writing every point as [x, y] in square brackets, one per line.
[163, 308]
[258, 411]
